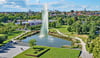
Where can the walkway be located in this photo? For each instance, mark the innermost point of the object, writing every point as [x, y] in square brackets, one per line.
[85, 53]
[21, 34]
[12, 51]
[9, 50]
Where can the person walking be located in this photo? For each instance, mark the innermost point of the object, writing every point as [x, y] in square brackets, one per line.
[22, 49]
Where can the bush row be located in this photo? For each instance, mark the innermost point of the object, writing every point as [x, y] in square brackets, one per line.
[5, 42]
[60, 36]
[27, 34]
[74, 41]
[39, 53]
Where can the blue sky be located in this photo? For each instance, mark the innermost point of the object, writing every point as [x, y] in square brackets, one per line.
[37, 5]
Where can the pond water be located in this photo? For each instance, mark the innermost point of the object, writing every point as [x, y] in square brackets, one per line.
[48, 41]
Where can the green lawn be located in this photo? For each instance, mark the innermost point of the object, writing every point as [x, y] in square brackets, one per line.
[10, 35]
[63, 29]
[22, 55]
[14, 34]
[52, 53]
[2, 34]
[61, 53]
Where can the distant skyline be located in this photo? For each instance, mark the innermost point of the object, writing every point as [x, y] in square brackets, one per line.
[37, 5]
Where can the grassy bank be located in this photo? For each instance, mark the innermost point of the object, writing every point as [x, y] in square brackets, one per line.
[14, 34]
[27, 34]
[63, 29]
[10, 36]
[52, 53]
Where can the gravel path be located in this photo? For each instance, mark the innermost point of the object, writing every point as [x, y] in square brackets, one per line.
[85, 53]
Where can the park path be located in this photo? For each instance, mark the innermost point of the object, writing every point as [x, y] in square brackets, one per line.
[20, 35]
[12, 51]
[85, 53]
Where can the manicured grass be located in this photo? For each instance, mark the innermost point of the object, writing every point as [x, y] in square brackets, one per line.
[36, 51]
[14, 34]
[22, 55]
[52, 53]
[63, 29]
[61, 53]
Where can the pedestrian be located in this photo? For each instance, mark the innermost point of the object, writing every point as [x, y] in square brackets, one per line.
[21, 48]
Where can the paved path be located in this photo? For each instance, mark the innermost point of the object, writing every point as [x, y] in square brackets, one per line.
[85, 53]
[20, 35]
[11, 52]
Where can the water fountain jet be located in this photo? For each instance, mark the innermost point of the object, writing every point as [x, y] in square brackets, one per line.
[44, 28]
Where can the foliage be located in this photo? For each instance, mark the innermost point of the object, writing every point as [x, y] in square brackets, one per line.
[94, 47]
[32, 42]
[3, 37]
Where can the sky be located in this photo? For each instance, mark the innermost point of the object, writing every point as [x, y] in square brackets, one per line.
[37, 5]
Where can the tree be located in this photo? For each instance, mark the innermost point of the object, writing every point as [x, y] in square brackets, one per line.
[84, 27]
[96, 47]
[32, 42]
[69, 28]
[76, 27]
[72, 11]
[3, 37]
[54, 24]
[92, 30]
[69, 21]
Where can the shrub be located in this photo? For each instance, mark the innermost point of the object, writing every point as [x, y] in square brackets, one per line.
[6, 41]
[32, 42]
[3, 37]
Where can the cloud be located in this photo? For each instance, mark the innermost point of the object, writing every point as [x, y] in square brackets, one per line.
[3, 1]
[31, 2]
[84, 6]
[62, 5]
[38, 1]
[14, 8]
[11, 6]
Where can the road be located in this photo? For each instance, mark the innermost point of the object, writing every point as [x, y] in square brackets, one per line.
[85, 53]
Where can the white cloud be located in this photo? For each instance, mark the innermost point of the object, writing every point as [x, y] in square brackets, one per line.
[15, 7]
[38, 1]
[31, 2]
[56, 4]
[13, 3]
[84, 6]
[11, 6]
[3, 1]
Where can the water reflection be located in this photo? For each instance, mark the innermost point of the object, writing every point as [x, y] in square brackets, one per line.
[48, 41]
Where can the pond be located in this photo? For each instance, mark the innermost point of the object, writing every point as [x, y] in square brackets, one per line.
[49, 41]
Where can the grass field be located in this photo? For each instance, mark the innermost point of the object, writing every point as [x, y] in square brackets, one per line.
[63, 29]
[61, 53]
[22, 55]
[52, 53]
[14, 34]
